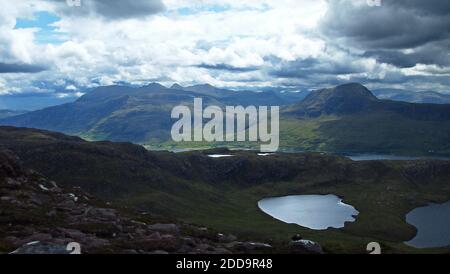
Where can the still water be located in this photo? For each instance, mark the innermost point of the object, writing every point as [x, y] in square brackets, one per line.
[318, 212]
[433, 225]
[383, 157]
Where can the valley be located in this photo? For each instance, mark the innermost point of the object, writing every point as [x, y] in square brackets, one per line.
[343, 119]
[222, 193]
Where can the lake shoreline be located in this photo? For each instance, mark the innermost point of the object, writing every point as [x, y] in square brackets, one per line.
[319, 212]
[354, 156]
[421, 216]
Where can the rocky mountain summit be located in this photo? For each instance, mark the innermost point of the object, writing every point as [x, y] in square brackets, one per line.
[356, 99]
[39, 217]
[345, 99]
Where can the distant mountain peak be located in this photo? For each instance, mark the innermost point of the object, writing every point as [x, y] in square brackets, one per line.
[204, 87]
[354, 89]
[352, 85]
[177, 86]
[343, 99]
[155, 85]
[422, 97]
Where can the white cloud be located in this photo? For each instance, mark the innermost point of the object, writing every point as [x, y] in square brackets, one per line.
[71, 87]
[241, 41]
[69, 95]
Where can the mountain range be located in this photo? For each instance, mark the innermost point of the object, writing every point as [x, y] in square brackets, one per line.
[5, 113]
[347, 118]
[423, 97]
[140, 115]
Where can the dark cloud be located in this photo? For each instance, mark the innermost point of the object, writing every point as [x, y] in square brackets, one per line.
[227, 67]
[402, 33]
[432, 54]
[20, 68]
[304, 68]
[113, 9]
[394, 25]
[412, 83]
[313, 73]
[428, 7]
[393, 57]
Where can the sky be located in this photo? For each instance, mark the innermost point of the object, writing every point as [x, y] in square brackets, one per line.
[53, 51]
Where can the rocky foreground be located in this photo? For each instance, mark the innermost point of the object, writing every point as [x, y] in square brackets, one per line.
[39, 217]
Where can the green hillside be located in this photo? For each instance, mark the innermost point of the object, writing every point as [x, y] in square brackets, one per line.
[347, 118]
[223, 193]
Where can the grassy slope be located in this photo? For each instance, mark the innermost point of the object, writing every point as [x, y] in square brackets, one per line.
[387, 133]
[223, 193]
[234, 209]
[381, 133]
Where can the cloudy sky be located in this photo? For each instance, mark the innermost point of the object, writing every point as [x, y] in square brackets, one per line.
[52, 51]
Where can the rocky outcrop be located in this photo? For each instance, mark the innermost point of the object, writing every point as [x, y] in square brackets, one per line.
[39, 217]
[306, 246]
[426, 170]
